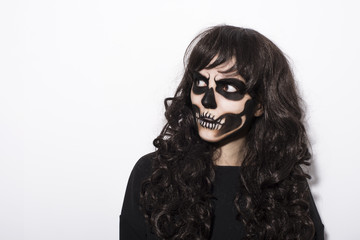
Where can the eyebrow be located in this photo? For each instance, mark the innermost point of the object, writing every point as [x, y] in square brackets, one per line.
[226, 80]
[235, 81]
[232, 79]
[231, 72]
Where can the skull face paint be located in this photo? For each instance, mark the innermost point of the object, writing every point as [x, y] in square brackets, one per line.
[220, 103]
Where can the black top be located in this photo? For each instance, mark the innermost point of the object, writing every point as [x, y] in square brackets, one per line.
[225, 226]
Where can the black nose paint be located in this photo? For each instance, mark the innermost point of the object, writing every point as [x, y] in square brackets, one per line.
[208, 101]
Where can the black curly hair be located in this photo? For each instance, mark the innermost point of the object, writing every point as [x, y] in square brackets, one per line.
[273, 200]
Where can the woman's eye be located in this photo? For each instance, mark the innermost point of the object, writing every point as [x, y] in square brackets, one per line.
[230, 88]
[200, 83]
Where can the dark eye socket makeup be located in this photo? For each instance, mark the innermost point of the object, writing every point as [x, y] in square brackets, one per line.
[201, 81]
[237, 84]
[230, 88]
[197, 77]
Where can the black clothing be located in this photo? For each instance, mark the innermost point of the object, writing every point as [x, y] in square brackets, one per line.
[225, 226]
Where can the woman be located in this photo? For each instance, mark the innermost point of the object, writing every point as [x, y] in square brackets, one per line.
[228, 161]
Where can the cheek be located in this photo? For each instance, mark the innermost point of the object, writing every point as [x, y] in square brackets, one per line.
[235, 122]
[196, 99]
[229, 106]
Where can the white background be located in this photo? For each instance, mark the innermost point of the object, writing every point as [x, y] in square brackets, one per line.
[82, 84]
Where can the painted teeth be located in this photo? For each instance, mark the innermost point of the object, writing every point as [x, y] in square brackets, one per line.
[208, 115]
[216, 125]
[212, 126]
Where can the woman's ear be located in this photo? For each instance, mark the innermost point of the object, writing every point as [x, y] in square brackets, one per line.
[259, 110]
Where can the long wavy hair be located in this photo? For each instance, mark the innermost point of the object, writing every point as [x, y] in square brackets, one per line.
[273, 200]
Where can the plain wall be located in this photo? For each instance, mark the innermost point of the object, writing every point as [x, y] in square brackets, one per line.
[82, 84]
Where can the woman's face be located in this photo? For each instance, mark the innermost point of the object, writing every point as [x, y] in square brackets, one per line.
[220, 102]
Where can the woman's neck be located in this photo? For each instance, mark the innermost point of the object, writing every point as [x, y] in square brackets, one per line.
[231, 153]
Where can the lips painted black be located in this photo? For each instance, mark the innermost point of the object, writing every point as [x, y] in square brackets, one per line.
[207, 119]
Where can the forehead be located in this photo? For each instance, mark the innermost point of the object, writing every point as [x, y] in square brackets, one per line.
[225, 65]
[226, 69]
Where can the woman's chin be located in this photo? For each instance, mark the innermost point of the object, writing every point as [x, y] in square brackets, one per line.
[209, 135]
[215, 136]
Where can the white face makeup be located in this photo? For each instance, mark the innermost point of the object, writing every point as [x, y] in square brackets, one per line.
[220, 102]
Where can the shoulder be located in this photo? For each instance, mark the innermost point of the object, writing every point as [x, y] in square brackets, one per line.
[144, 164]
[318, 224]
[145, 161]
[140, 172]
[142, 168]
[132, 221]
